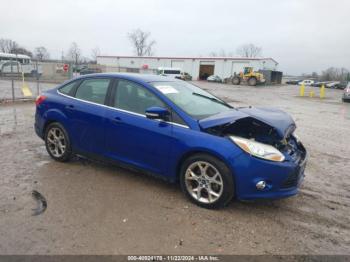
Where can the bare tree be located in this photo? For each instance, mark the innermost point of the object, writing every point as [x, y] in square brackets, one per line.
[249, 50]
[8, 45]
[335, 74]
[141, 42]
[22, 51]
[74, 53]
[314, 75]
[41, 53]
[95, 52]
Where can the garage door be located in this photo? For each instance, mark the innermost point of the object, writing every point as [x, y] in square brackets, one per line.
[205, 71]
[238, 66]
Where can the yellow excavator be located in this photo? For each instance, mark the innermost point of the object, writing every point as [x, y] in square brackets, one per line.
[249, 76]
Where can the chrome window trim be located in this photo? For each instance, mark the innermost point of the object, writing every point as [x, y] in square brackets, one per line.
[118, 109]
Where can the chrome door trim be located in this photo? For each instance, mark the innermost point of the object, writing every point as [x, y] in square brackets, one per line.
[120, 110]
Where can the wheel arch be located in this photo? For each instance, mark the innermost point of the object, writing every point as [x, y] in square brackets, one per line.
[53, 116]
[201, 151]
[47, 123]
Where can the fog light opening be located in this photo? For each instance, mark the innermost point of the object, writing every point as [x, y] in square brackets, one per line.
[261, 185]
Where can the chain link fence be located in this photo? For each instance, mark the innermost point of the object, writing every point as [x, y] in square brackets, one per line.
[26, 81]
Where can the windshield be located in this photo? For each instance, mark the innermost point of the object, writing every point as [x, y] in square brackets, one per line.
[194, 101]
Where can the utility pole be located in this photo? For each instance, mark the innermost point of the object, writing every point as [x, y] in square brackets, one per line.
[37, 77]
[12, 82]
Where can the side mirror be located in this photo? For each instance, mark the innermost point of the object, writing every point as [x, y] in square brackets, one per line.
[156, 112]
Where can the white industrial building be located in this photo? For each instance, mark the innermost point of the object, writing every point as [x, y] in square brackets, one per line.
[198, 67]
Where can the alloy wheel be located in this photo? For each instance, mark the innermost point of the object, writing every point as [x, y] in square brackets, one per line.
[56, 142]
[204, 182]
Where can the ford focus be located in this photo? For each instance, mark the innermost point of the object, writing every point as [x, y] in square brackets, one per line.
[177, 131]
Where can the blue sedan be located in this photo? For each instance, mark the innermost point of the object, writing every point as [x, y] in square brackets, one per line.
[177, 131]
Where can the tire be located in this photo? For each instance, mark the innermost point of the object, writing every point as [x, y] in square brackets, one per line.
[194, 180]
[236, 80]
[57, 142]
[252, 81]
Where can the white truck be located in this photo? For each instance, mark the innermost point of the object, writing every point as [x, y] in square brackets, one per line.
[169, 72]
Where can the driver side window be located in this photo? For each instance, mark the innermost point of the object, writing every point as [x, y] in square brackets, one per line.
[132, 97]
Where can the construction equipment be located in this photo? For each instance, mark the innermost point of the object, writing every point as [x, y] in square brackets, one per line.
[249, 76]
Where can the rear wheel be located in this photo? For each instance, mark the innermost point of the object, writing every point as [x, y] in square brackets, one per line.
[57, 142]
[252, 81]
[206, 181]
[236, 80]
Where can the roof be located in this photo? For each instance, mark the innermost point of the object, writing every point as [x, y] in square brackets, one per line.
[193, 58]
[132, 76]
[14, 55]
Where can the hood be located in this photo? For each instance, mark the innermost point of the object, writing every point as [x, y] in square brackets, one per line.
[277, 119]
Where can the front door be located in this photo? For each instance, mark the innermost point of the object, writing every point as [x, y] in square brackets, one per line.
[130, 136]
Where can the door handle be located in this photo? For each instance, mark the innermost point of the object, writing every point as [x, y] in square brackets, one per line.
[117, 120]
[69, 107]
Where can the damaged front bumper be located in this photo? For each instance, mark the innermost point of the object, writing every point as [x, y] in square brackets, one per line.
[282, 179]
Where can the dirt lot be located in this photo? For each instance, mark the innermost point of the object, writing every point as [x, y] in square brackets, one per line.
[100, 209]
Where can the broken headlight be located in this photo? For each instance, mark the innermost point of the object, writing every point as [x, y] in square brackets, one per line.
[258, 149]
[296, 137]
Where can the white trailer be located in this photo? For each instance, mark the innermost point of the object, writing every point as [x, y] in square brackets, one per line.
[20, 64]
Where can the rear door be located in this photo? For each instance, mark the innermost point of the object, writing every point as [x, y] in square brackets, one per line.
[130, 136]
[86, 113]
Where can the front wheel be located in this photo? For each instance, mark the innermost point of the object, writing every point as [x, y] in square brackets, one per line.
[236, 80]
[252, 81]
[207, 181]
[57, 142]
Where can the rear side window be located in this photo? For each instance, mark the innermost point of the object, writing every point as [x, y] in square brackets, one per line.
[67, 89]
[93, 90]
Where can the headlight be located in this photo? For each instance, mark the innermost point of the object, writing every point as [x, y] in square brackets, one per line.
[258, 149]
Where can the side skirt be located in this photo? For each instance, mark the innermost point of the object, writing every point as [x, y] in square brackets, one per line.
[106, 160]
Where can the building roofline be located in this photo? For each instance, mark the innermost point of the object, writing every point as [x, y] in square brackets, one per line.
[194, 58]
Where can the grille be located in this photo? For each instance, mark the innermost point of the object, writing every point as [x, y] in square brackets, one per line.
[292, 180]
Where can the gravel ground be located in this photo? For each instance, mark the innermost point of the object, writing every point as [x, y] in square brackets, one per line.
[101, 209]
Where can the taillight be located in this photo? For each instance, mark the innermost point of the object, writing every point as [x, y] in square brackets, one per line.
[39, 100]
